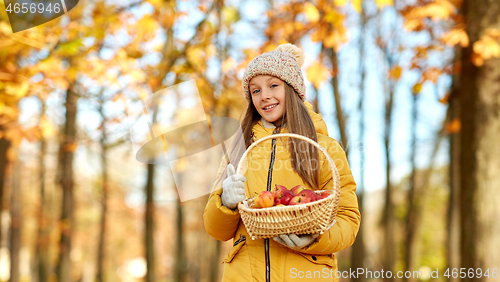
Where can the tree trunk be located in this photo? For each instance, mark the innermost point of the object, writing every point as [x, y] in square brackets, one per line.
[388, 214]
[479, 150]
[66, 153]
[453, 223]
[4, 147]
[338, 104]
[180, 264]
[43, 237]
[15, 224]
[149, 219]
[104, 200]
[358, 248]
[413, 198]
[419, 198]
[214, 263]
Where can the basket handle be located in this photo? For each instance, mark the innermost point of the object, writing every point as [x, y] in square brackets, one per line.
[333, 167]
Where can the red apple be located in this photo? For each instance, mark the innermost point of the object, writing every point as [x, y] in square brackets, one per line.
[296, 190]
[308, 194]
[285, 200]
[279, 191]
[299, 200]
[325, 194]
[264, 200]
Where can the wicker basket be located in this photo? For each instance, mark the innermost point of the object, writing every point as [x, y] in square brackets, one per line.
[309, 218]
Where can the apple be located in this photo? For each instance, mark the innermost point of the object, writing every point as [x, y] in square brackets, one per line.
[296, 190]
[276, 201]
[308, 194]
[325, 194]
[285, 200]
[299, 200]
[281, 195]
[279, 191]
[264, 200]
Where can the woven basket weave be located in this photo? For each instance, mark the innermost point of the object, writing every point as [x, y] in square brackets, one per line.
[309, 218]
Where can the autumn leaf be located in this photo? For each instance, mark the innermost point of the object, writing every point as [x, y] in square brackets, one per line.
[417, 88]
[70, 48]
[453, 126]
[486, 47]
[210, 51]
[395, 72]
[493, 33]
[456, 36]
[17, 89]
[340, 3]
[477, 60]
[157, 4]
[432, 74]
[137, 75]
[311, 12]
[118, 97]
[413, 24]
[335, 18]
[357, 5]
[438, 10]
[70, 147]
[147, 26]
[319, 34]
[335, 38]
[230, 14]
[445, 99]
[47, 127]
[382, 3]
[317, 74]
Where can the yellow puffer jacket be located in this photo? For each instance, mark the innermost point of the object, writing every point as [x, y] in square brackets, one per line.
[317, 262]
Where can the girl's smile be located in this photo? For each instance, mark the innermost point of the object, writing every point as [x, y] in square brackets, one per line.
[268, 97]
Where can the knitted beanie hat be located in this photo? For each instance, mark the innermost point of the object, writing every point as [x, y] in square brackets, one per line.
[284, 62]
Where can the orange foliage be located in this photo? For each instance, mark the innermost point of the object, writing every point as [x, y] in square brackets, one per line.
[453, 126]
[395, 72]
[488, 46]
[456, 36]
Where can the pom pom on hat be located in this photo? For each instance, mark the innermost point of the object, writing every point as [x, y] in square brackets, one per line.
[284, 62]
[298, 53]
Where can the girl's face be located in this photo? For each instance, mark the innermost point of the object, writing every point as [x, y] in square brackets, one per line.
[268, 97]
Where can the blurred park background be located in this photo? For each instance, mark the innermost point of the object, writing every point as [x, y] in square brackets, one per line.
[411, 89]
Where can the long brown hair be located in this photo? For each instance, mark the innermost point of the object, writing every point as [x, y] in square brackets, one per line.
[297, 120]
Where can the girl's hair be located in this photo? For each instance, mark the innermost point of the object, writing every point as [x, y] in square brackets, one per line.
[296, 118]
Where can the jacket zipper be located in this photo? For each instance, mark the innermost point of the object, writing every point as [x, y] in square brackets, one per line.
[242, 238]
[266, 241]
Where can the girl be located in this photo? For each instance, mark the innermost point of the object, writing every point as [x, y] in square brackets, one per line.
[274, 88]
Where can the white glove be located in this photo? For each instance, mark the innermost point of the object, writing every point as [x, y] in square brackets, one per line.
[233, 188]
[296, 242]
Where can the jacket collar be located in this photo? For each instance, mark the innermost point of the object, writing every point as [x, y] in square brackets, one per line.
[264, 128]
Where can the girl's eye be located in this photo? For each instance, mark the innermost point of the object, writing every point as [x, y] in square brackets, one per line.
[274, 85]
[255, 92]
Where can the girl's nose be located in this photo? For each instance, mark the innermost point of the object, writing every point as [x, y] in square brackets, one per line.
[266, 94]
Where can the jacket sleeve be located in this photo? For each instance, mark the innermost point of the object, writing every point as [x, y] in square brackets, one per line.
[343, 233]
[220, 222]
